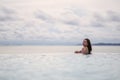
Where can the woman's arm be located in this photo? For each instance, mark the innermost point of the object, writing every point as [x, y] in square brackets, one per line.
[77, 51]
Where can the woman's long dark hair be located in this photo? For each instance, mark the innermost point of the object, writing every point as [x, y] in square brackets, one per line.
[89, 45]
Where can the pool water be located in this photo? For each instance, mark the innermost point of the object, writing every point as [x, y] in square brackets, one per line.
[62, 66]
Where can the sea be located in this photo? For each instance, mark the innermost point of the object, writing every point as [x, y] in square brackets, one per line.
[59, 63]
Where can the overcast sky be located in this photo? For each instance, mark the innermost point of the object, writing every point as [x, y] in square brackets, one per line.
[59, 21]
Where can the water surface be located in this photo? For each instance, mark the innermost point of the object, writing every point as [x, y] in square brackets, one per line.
[58, 63]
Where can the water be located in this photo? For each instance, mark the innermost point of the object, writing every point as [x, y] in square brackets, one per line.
[59, 63]
[56, 49]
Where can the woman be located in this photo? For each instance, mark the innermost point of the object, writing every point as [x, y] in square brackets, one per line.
[87, 48]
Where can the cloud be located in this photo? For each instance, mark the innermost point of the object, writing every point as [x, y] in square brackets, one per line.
[71, 22]
[97, 24]
[58, 21]
[7, 14]
[44, 16]
[106, 19]
[108, 16]
[114, 16]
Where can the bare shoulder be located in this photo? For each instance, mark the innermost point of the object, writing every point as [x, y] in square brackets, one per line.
[85, 50]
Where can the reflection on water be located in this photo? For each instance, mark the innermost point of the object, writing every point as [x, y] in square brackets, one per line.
[60, 67]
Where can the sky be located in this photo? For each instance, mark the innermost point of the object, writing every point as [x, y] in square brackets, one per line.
[59, 21]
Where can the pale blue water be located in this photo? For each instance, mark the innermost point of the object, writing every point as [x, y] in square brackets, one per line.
[63, 65]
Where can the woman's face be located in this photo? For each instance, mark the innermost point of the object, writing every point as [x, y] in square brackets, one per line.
[85, 43]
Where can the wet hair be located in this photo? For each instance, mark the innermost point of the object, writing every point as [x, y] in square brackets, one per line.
[89, 45]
